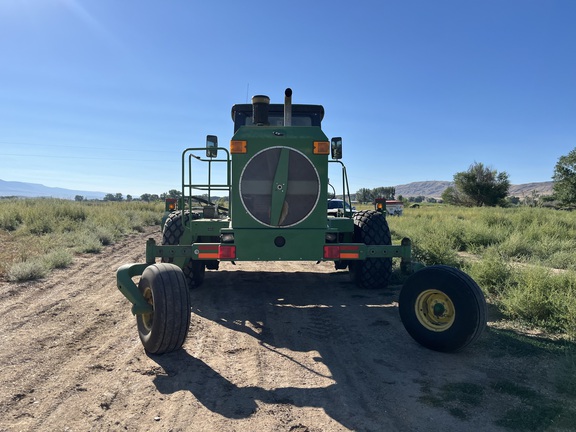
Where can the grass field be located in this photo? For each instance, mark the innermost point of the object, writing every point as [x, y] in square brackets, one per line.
[523, 258]
[38, 235]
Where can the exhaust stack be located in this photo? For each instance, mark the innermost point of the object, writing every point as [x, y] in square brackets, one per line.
[288, 107]
[260, 110]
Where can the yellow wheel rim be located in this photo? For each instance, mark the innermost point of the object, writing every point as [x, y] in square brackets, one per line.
[435, 310]
[148, 318]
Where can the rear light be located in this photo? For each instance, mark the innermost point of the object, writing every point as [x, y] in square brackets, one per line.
[171, 204]
[336, 252]
[226, 252]
[332, 252]
[208, 252]
[237, 146]
[321, 147]
[349, 252]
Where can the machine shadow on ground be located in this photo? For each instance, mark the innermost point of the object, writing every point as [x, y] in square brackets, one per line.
[355, 332]
[372, 371]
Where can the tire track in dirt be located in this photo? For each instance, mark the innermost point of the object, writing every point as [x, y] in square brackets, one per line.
[285, 346]
[58, 331]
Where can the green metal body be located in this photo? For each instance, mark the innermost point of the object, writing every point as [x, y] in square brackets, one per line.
[277, 193]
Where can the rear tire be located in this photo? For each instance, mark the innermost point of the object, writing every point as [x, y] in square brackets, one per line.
[371, 228]
[173, 229]
[442, 308]
[165, 329]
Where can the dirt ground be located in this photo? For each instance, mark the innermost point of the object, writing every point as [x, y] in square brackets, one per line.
[272, 347]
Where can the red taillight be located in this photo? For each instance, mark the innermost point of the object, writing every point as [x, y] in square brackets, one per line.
[332, 252]
[335, 252]
[226, 252]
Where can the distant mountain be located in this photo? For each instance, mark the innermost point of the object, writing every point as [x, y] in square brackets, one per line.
[434, 189]
[431, 189]
[427, 189]
[34, 190]
[542, 188]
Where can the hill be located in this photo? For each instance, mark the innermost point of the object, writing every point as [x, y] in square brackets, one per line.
[427, 189]
[35, 190]
[434, 189]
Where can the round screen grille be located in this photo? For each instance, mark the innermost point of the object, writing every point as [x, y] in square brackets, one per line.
[279, 187]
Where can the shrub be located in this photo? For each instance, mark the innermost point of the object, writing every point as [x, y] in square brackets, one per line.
[541, 297]
[27, 270]
[88, 242]
[10, 221]
[60, 258]
[493, 273]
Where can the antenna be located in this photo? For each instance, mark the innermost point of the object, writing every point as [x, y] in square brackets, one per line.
[247, 90]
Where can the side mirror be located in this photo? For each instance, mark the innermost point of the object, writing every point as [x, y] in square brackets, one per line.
[211, 146]
[336, 147]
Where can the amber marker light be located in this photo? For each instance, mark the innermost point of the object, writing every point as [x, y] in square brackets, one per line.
[237, 146]
[349, 252]
[321, 147]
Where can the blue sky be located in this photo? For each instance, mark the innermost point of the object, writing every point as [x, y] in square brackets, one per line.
[103, 95]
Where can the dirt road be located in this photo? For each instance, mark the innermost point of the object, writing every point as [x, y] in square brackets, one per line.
[290, 347]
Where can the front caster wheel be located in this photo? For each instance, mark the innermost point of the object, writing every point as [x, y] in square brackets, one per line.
[164, 287]
[442, 308]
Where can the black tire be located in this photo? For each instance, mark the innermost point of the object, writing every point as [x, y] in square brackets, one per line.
[165, 329]
[194, 270]
[442, 308]
[371, 228]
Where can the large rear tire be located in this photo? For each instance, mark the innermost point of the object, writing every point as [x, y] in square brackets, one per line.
[442, 308]
[165, 329]
[194, 270]
[371, 228]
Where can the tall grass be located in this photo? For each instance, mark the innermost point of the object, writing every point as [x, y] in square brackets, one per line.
[528, 235]
[38, 235]
[523, 258]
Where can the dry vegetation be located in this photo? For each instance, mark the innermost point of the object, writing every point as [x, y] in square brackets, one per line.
[38, 235]
[523, 258]
[291, 347]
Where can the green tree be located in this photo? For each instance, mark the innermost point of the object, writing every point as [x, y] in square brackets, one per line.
[384, 192]
[479, 186]
[364, 195]
[565, 179]
[172, 193]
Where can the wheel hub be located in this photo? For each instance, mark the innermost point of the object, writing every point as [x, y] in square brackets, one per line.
[148, 318]
[435, 310]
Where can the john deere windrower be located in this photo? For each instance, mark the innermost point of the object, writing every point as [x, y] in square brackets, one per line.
[276, 181]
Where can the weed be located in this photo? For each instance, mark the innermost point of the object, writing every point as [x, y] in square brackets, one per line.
[492, 273]
[88, 242]
[33, 228]
[58, 259]
[27, 270]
